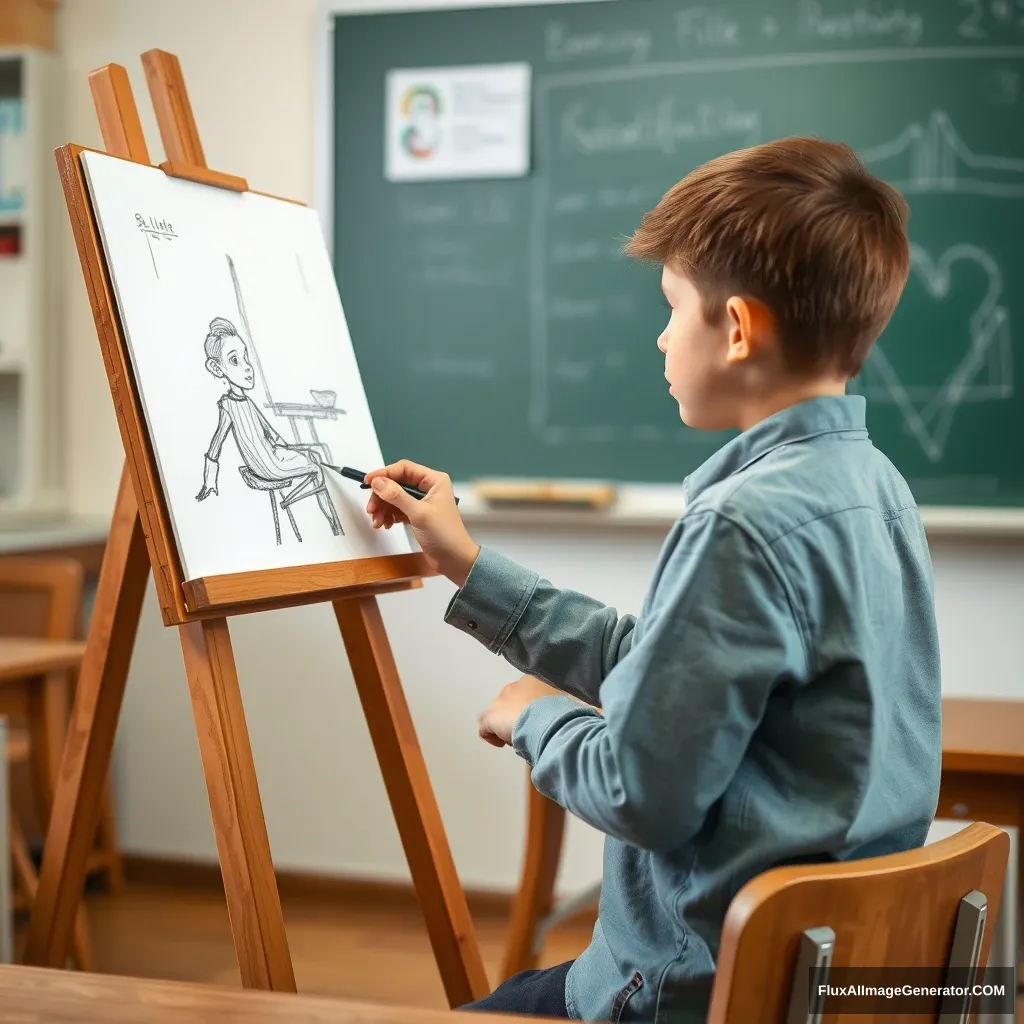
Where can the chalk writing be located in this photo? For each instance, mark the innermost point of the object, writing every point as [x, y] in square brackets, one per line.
[707, 27]
[574, 202]
[575, 309]
[450, 366]
[576, 252]
[465, 276]
[571, 371]
[427, 212]
[560, 44]
[493, 208]
[861, 23]
[978, 19]
[659, 126]
[588, 309]
[434, 248]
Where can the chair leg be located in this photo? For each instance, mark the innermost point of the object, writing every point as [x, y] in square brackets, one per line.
[25, 873]
[106, 840]
[291, 519]
[328, 509]
[536, 894]
[277, 521]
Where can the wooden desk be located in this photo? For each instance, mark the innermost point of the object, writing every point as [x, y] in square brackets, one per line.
[82, 539]
[33, 995]
[28, 658]
[33, 688]
[983, 766]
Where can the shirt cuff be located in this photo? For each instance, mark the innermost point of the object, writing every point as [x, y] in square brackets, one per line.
[542, 717]
[493, 599]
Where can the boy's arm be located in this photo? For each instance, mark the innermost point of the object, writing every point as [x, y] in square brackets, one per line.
[680, 711]
[561, 636]
[212, 466]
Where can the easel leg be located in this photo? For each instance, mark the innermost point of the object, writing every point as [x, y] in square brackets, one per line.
[536, 894]
[90, 736]
[254, 904]
[412, 799]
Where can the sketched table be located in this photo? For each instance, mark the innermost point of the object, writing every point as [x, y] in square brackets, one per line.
[308, 412]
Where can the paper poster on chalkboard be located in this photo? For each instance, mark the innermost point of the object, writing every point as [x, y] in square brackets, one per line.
[249, 385]
[458, 122]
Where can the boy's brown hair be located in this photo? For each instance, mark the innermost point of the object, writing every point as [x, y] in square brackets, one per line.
[800, 225]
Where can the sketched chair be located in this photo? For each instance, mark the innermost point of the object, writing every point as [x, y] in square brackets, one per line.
[258, 483]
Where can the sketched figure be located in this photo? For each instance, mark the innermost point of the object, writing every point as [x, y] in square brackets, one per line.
[271, 463]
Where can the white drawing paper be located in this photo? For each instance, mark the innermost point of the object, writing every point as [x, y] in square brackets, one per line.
[459, 122]
[245, 368]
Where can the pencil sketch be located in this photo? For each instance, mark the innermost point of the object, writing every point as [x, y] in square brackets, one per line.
[286, 471]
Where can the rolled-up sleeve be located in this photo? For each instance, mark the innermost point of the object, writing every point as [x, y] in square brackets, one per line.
[562, 636]
[682, 706]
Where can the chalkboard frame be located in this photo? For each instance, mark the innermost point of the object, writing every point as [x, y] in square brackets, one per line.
[642, 507]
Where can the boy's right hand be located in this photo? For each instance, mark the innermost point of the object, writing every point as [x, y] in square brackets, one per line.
[435, 519]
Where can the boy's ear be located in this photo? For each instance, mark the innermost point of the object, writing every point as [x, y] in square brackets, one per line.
[751, 327]
[214, 367]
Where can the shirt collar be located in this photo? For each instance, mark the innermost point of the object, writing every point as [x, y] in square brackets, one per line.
[826, 414]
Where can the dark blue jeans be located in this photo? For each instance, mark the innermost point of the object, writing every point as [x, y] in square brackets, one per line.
[536, 993]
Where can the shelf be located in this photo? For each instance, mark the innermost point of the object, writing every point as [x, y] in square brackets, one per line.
[657, 508]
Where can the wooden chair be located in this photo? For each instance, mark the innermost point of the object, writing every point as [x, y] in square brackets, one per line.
[42, 597]
[906, 910]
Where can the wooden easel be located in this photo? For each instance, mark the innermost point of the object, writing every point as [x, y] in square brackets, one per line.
[140, 538]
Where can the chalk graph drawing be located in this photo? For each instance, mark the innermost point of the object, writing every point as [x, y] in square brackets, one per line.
[926, 158]
[287, 472]
[984, 372]
[932, 157]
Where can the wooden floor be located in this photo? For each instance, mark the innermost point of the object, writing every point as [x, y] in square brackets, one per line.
[376, 953]
[380, 954]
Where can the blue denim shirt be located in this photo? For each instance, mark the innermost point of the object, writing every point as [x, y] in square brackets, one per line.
[777, 699]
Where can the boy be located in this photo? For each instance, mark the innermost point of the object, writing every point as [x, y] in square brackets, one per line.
[777, 699]
[264, 451]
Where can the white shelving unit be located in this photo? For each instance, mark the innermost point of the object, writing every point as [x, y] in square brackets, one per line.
[31, 323]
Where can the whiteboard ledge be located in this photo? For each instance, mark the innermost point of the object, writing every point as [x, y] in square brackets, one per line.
[658, 507]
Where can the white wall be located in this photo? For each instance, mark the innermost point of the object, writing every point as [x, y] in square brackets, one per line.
[249, 65]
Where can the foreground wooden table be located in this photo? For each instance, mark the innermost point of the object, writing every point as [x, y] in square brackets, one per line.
[34, 995]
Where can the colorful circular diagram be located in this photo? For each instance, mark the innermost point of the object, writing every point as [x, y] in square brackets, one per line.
[421, 109]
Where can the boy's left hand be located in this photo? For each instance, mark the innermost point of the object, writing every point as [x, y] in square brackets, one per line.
[498, 721]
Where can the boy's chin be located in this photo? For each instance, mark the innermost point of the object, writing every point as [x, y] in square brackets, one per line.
[703, 419]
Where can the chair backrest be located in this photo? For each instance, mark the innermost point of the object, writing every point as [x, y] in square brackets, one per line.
[40, 597]
[899, 910]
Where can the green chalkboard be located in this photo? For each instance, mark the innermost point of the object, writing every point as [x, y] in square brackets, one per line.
[500, 332]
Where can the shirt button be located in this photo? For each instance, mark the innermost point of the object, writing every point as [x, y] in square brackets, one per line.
[471, 624]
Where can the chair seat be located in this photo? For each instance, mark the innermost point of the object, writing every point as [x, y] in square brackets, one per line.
[259, 483]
